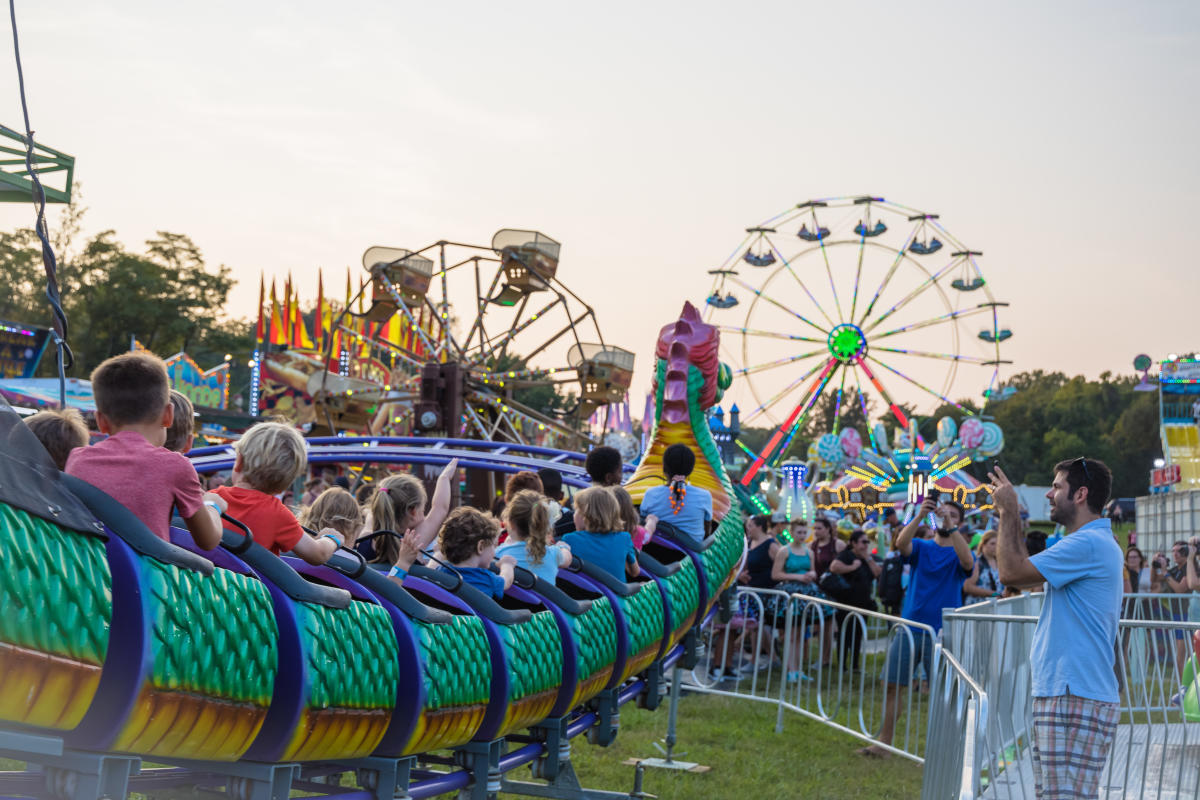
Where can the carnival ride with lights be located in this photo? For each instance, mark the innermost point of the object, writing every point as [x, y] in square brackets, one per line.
[848, 294]
[264, 674]
[855, 284]
[452, 348]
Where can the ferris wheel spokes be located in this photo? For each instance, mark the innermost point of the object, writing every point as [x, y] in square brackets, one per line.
[953, 315]
[779, 362]
[927, 354]
[926, 284]
[887, 278]
[897, 412]
[811, 394]
[828, 269]
[758, 293]
[791, 337]
[921, 386]
[748, 418]
[788, 265]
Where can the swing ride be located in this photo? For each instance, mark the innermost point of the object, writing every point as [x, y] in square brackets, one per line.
[852, 293]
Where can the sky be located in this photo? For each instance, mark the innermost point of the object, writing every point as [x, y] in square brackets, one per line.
[1058, 139]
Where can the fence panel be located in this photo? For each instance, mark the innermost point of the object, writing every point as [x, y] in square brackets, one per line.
[1155, 752]
[826, 661]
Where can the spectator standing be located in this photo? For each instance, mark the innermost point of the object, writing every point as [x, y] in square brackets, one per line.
[1075, 692]
[985, 578]
[760, 558]
[825, 546]
[779, 527]
[1175, 581]
[860, 570]
[939, 568]
[1193, 569]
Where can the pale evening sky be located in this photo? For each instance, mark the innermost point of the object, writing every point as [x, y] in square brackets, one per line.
[1060, 139]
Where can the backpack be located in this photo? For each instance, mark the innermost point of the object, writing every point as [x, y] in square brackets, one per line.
[891, 585]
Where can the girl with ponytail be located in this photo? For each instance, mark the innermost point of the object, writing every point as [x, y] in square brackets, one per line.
[527, 518]
[685, 507]
[398, 505]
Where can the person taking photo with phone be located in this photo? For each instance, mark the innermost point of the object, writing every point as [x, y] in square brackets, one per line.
[1075, 693]
[938, 568]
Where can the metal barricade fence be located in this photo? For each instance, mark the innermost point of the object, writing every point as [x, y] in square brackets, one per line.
[958, 722]
[826, 661]
[1155, 751]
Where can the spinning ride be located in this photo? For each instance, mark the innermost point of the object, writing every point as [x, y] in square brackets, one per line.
[845, 293]
[503, 326]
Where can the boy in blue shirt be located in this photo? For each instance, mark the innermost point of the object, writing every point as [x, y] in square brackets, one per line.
[938, 567]
[468, 541]
[686, 507]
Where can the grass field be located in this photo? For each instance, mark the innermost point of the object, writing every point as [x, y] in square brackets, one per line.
[749, 760]
[737, 739]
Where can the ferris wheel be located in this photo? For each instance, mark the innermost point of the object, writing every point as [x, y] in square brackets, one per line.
[487, 332]
[853, 293]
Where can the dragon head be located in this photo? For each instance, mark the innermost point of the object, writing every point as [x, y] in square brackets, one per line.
[689, 341]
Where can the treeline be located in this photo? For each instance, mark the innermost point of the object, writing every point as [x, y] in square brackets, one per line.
[165, 295]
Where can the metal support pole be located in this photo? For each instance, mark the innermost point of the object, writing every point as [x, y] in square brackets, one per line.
[668, 761]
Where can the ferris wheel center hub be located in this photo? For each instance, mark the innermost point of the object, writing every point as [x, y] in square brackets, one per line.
[847, 343]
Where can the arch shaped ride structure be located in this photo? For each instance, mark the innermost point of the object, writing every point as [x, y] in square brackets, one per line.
[236, 667]
[471, 454]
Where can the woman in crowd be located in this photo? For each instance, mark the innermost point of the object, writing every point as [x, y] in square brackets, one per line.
[760, 558]
[860, 570]
[793, 570]
[985, 578]
[825, 547]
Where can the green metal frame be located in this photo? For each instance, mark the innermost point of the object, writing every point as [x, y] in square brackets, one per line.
[16, 186]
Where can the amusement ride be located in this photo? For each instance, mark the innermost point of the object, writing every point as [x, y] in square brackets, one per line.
[453, 346]
[846, 296]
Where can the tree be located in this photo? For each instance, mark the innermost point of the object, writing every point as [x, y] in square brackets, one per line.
[1052, 418]
[167, 298]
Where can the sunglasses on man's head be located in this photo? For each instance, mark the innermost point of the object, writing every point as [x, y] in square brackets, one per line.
[1082, 461]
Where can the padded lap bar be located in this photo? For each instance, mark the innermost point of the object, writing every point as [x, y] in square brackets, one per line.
[477, 600]
[672, 534]
[619, 588]
[656, 567]
[127, 527]
[388, 589]
[286, 579]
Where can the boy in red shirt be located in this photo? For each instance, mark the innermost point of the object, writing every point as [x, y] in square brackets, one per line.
[133, 407]
[270, 456]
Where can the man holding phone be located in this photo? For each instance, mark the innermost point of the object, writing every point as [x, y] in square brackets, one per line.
[1075, 693]
[938, 568]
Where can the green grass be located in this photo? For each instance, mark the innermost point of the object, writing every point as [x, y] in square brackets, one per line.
[749, 760]
[737, 739]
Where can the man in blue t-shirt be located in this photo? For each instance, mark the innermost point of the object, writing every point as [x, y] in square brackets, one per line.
[938, 567]
[1075, 692]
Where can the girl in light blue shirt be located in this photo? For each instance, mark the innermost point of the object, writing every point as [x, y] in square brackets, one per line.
[529, 535]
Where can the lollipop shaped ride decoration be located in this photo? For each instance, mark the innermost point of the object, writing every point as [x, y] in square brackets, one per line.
[850, 292]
